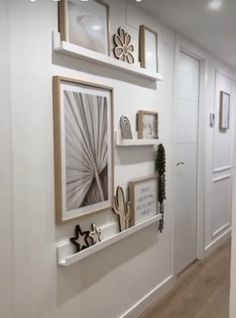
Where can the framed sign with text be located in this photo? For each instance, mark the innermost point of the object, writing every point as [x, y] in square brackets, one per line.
[143, 196]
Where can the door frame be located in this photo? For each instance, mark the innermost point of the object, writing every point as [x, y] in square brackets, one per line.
[185, 46]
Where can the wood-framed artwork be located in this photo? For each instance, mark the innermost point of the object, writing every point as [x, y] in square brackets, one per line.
[224, 117]
[83, 143]
[148, 48]
[147, 125]
[85, 23]
[143, 194]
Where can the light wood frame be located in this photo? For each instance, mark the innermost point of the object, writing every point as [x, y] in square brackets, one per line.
[221, 124]
[132, 198]
[63, 21]
[140, 119]
[142, 44]
[57, 118]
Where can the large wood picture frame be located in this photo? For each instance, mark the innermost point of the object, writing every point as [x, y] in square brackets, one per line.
[148, 48]
[85, 23]
[83, 146]
[143, 195]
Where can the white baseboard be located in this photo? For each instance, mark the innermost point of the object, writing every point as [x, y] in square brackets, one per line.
[217, 242]
[150, 298]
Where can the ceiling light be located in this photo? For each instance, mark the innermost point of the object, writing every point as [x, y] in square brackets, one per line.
[215, 5]
[96, 27]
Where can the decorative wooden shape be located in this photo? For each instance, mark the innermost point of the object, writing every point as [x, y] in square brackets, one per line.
[123, 49]
[122, 209]
[81, 239]
[125, 127]
[96, 234]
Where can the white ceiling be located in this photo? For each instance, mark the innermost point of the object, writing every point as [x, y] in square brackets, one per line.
[213, 30]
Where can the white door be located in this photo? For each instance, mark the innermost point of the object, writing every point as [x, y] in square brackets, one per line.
[185, 148]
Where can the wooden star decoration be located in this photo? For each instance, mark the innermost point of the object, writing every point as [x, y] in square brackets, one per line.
[96, 233]
[81, 239]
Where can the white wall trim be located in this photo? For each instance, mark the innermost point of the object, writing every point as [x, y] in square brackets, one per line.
[233, 247]
[217, 242]
[150, 298]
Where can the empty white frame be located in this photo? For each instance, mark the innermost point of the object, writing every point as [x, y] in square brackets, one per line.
[148, 48]
[86, 24]
[83, 141]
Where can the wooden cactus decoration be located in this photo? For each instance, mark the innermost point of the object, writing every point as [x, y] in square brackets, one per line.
[122, 209]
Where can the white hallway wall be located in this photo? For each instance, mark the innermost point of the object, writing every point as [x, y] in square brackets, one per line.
[233, 250]
[112, 281]
[6, 224]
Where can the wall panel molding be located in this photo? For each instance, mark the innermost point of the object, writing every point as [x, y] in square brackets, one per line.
[224, 177]
[220, 230]
[222, 169]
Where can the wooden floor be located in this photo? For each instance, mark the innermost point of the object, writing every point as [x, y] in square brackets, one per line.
[202, 292]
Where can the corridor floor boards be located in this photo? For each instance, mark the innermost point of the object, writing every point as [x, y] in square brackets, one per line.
[202, 290]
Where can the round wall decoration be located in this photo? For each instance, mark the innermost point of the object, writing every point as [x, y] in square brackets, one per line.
[123, 49]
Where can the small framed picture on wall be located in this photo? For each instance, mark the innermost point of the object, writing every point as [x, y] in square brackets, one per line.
[224, 117]
[143, 194]
[83, 146]
[148, 48]
[85, 23]
[147, 125]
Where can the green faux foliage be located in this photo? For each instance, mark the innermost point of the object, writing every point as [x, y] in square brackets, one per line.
[161, 160]
[160, 164]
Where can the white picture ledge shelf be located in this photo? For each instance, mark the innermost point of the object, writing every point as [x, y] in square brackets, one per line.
[67, 260]
[98, 58]
[134, 142]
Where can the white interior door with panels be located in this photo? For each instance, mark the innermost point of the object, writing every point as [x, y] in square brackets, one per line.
[185, 161]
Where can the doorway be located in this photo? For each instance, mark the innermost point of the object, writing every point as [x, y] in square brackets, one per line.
[185, 155]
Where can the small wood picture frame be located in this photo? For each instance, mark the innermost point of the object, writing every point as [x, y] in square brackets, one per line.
[86, 24]
[143, 195]
[147, 125]
[148, 48]
[224, 109]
